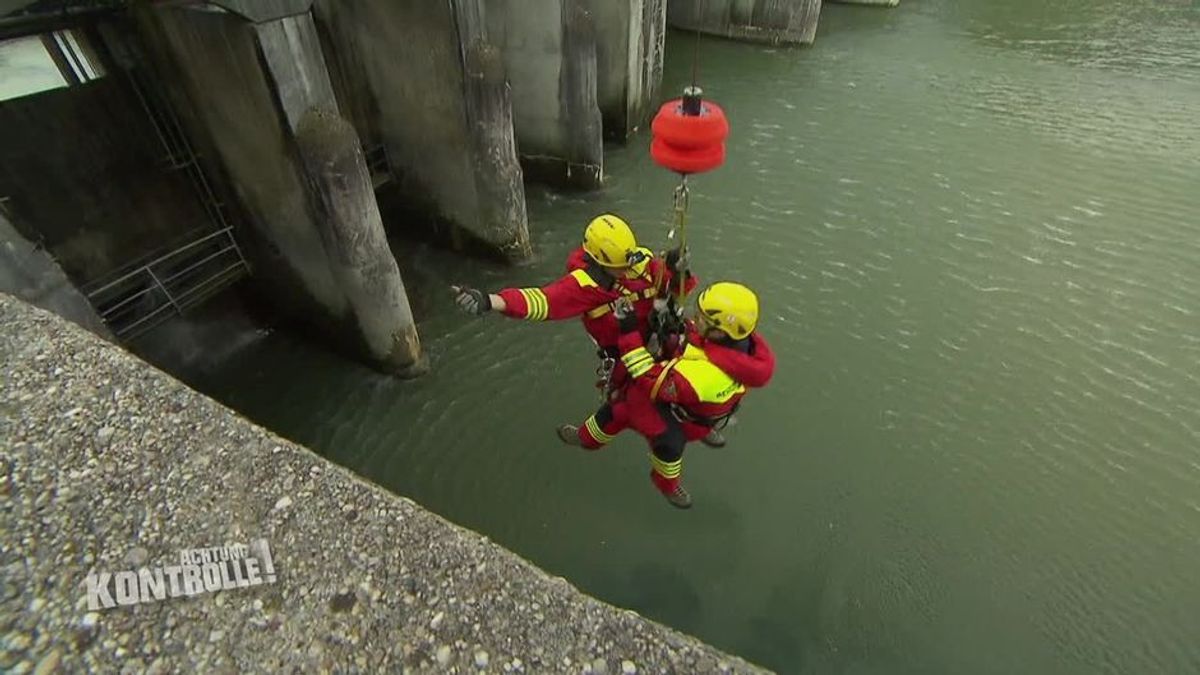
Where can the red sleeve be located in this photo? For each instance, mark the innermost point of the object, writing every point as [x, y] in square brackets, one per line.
[753, 370]
[563, 298]
[669, 283]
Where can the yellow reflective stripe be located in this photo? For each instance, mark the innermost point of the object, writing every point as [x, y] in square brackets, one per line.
[662, 377]
[583, 278]
[666, 469]
[528, 303]
[640, 369]
[597, 433]
[638, 361]
[537, 307]
[599, 311]
[635, 356]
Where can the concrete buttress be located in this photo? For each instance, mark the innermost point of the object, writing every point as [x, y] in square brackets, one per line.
[403, 74]
[243, 87]
[770, 21]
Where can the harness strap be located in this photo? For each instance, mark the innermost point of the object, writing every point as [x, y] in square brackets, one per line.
[605, 309]
[662, 377]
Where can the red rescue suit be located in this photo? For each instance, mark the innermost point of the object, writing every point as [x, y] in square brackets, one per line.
[679, 400]
[588, 290]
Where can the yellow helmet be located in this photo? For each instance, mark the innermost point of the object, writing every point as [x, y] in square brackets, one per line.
[730, 308]
[609, 241]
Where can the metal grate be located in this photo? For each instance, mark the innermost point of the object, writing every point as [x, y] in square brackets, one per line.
[168, 285]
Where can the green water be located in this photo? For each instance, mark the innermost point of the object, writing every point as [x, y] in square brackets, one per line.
[974, 227]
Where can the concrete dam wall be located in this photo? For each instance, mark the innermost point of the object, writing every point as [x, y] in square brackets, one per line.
[450, 108]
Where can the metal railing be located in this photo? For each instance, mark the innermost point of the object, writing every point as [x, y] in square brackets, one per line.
[169, 284]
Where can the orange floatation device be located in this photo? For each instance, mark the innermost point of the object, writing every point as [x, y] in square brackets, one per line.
[689, 134]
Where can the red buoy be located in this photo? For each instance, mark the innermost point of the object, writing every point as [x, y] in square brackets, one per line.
[689, 134]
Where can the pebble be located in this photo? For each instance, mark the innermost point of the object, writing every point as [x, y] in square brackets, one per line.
[18, 641]
[48, 664]
[628, 667]
[89, 619]
[437, 620]
[599, 666]
[481, 659]
[137, 556]
[104, 434]
[283, 503]
[443, 656]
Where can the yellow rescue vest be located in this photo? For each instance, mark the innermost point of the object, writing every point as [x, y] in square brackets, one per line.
[711, 384]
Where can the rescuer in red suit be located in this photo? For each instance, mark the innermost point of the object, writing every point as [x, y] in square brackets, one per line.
[608, 267]
[685, 398]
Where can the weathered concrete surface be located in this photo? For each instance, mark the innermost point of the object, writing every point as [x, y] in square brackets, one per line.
[292, 52]
[33, 276]
[260, 11]
[549, 49]
[401, 74]
[225, 97]
[106, 463]
[247, 86]
[876, 3]
[629, 60]
[770, 21]
[347, 216]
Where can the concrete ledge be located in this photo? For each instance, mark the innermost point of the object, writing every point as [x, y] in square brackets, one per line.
[107, 464]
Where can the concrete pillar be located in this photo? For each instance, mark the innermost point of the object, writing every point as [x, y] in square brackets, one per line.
[401, 72]
[770, 21]
[582, 125]
[348, 220]
[498, 177]
[245, 84]
[549, 49]
[629, 61]
[30, 274]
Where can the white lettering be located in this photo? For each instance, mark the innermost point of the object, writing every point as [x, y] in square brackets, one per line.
[127, 588]
[97, 591]
[193, 583]
[150, 584]
[227, 582]
[212, 577]
[236, 567]
[252, 572]
[173, 579]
